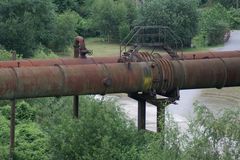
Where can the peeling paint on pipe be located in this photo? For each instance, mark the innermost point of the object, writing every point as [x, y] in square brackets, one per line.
[161, 75]
[96, 60]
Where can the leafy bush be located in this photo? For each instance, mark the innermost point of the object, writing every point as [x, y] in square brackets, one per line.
[6, 55]
[181, 16]
[24, 112]
[102, 132]
[44, 53]
[234, 18]
[24, 24]
[199, 40]
[209, 137]
[214, 24]
[228, 3]
[4, 131]
[64, 30]
[31, 142]
[111, 17]
[4, 137]
[124, 29]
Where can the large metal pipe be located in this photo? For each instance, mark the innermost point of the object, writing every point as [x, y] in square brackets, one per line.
[162, 75]
[97, 60]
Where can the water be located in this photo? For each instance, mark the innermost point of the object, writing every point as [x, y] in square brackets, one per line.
[215, 100]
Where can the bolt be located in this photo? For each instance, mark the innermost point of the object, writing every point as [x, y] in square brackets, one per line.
[107, 82]
[153, 65]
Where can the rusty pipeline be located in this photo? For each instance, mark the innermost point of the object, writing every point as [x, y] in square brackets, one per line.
[138, 57]
[162, 75]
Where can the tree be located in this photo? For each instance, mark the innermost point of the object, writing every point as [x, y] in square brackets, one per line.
[103, 132]
[24, 24]
[79, 6]
[228, 3]
[181, 16]
[109, 16]
[64, 30]
[214, 23]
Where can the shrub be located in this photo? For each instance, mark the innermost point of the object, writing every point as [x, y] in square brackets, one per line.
[64, 31]
[102, 132]
[24, 112]
[180, 16]
[234, 18]
[24, 24]
[31, 142]
[214, 24]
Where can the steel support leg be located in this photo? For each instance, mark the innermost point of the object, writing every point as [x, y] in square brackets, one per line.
[160, 118]
[76, 106]
[141, 115]
[12, 130]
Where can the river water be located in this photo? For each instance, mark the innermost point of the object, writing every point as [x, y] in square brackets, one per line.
[216, 100]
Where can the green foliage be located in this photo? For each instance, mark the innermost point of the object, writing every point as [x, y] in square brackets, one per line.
[4, 132]
[101, 133]
[104, 132]
[24, 24]
[210, 137]
[24, 112]
[5, 55]
[202, 2]
[78, 6]
[108, 16]
[124, 29]
[4, 138]
[234, 18]
[228, 3]
[31, 142]
[65, 30]
[181, 16]
[199, 40]
[164, 145]
[214, 24]
[44, 53]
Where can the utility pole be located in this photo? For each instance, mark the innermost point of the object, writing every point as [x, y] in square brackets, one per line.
[12, 121]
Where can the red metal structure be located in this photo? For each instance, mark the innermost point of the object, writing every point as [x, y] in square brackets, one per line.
[160, 76]
[141, 75]
[97, 60]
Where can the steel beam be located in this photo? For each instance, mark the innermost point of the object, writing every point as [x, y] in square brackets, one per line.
[141, 115]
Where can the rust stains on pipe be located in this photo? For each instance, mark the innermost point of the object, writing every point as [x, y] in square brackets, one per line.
[210, 55]
[31, 82]
[58, 61]
[162, 75]
[208, 73]
[142, 56]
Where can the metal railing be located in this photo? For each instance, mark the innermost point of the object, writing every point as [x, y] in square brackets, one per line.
[151, 36]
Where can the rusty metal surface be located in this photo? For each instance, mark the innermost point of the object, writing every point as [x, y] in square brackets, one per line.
[138, 57]
[30, 82]
[208, 73]
[162, 75]
[210, 55]
[59, 61]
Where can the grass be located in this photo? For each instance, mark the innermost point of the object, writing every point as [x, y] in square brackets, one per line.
[102, 48]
